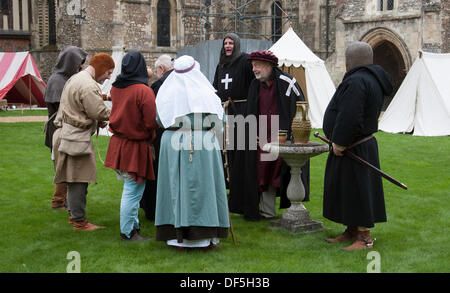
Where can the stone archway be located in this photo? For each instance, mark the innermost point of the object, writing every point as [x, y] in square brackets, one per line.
[391, 53]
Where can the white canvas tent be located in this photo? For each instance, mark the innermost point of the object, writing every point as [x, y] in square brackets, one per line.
[422, 103]
[298, 60]
[117, 55]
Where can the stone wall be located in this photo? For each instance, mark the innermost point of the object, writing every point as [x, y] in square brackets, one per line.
[409, 5]
[136, 32]
[445, 10]
[97, 27]
[192, 23]
[14, 44]
[411, 26]
[45, 61]
[308, 23]
[353, 8]
[132, 23]
[68, 31]
[432, 36]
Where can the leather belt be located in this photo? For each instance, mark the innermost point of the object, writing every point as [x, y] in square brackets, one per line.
[360, 142]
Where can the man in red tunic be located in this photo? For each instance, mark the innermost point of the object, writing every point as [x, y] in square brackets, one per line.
[256, 181]
[133, 124]
[268, 172]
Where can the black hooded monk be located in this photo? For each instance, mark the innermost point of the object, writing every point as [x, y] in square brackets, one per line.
[233, 73]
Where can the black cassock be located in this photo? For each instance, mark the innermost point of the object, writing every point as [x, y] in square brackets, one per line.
[148, 201]
[232, 80]
[244, 196]
[353, 195]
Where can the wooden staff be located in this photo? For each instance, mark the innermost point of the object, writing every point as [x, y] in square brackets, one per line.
[225, 140]
[29, 88]
[224, 151]
[364, 163]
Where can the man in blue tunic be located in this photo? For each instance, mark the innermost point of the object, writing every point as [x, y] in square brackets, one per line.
[191, 200]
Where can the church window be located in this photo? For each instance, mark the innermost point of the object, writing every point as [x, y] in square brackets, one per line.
[163, 20]
[51, 22]
[384, 5]
[390, 4]
[47, 23]
[4, 7]
[277, 21]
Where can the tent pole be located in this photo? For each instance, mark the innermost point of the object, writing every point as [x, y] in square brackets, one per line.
[29, 88]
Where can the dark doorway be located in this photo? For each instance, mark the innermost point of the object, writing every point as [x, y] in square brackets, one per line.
[389, 57]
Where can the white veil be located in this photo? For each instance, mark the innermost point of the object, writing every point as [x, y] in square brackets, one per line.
[186, 90]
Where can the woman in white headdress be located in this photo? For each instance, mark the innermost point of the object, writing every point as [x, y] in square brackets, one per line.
[191, 203]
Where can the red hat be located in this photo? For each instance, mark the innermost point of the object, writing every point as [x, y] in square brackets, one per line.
[265, 56]
[102, 62]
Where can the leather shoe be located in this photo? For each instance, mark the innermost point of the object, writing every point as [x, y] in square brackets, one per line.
[134, 237]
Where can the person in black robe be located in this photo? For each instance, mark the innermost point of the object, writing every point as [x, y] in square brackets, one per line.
[163, 68]
[70, 61]
[255, 182]
[233, 73]
[353, 195]
[231, 80]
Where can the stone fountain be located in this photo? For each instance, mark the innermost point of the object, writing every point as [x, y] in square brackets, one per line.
[296, 218]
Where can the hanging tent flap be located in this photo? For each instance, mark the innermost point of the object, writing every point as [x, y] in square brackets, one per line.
[299, 74]
[399, 115]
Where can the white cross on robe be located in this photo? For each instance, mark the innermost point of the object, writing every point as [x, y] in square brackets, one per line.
[291, 85]
[226, 80]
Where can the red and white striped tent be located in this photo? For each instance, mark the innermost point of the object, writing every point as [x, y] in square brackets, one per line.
[20, 80]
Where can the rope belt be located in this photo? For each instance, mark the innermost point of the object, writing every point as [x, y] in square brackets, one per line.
[239, 101]
[190, 138]
[227, 103]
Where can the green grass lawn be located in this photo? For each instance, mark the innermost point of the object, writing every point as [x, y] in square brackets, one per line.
[25, 112]
[36, 239]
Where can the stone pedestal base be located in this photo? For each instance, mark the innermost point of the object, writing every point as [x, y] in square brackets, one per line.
[297, 222]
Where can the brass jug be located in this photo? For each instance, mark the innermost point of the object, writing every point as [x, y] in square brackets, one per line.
[301, 126]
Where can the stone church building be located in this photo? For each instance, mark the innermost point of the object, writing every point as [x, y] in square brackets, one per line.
[396, 29]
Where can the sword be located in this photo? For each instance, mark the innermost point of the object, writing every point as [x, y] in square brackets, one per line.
[364, 163]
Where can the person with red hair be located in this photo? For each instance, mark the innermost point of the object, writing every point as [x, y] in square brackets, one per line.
[80, 112]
